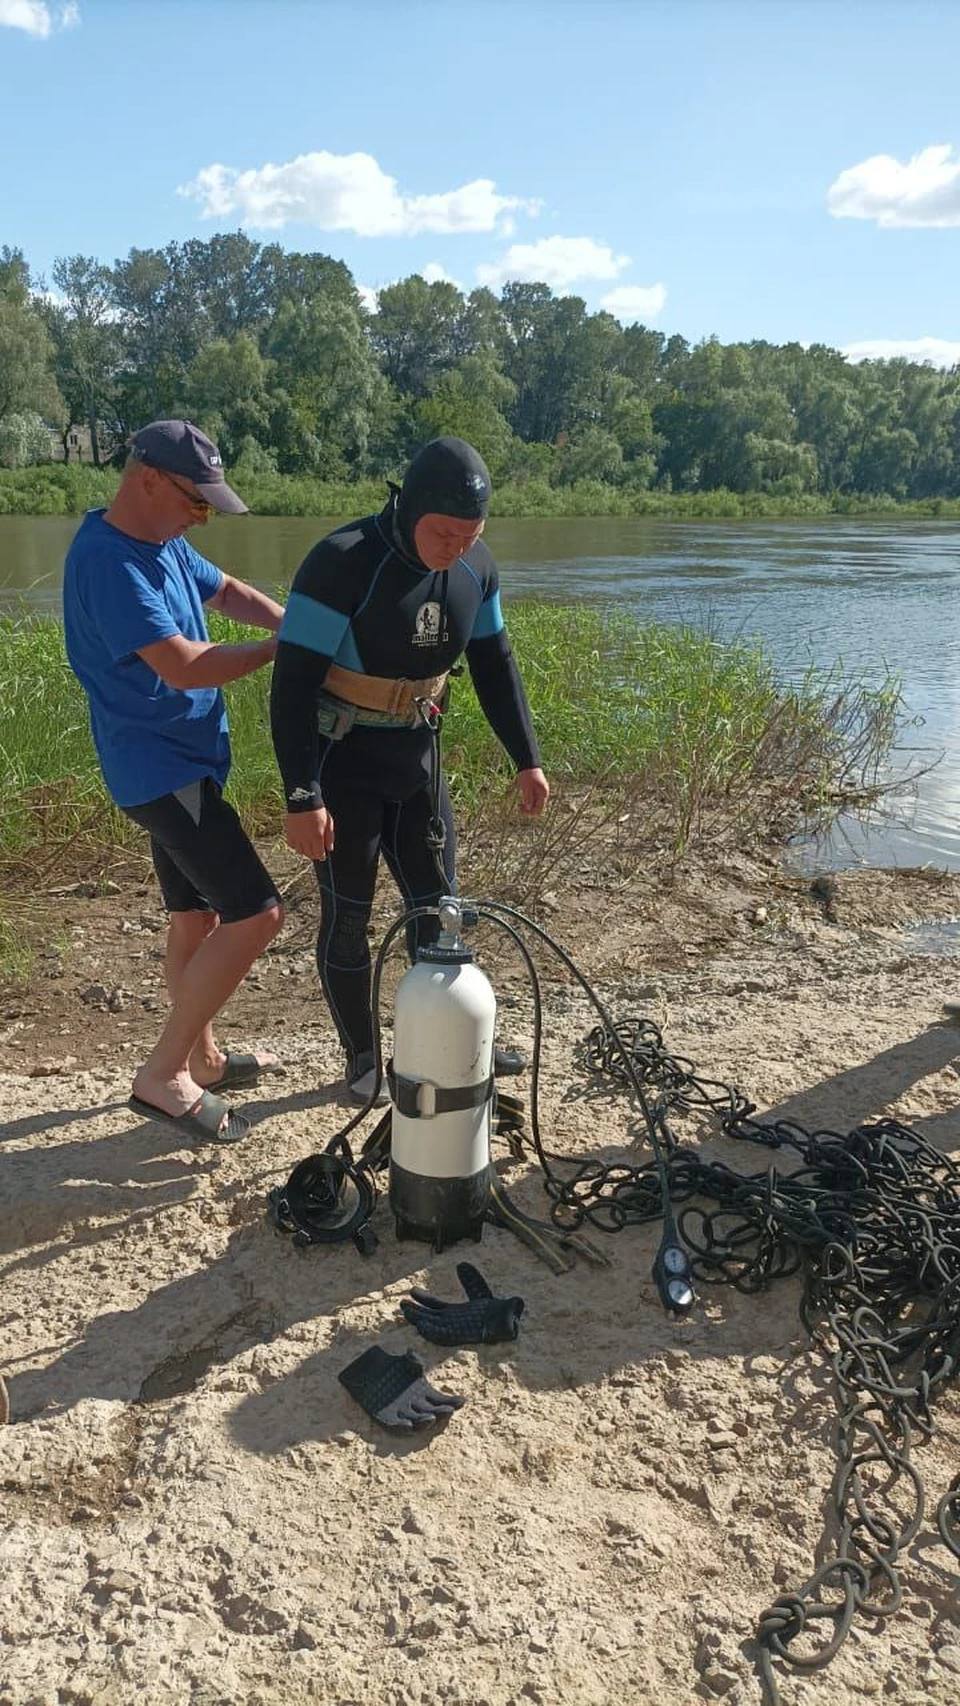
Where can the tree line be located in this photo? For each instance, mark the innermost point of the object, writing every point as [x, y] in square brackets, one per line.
[275, 354]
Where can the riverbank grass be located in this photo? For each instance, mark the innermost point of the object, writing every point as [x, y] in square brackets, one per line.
[623, 709]
[59, 489]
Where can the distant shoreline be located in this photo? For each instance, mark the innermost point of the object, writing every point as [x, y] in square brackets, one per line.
[59, 489]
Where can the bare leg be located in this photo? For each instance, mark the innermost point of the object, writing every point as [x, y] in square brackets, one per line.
[201, 981]
[186, 932]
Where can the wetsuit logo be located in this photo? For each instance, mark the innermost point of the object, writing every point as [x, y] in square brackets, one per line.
[427, 628]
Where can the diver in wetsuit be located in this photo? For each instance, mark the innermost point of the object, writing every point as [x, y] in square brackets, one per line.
[379, 612]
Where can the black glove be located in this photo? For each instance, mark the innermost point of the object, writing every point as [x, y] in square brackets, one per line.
[483, 1320]
[393, 1391]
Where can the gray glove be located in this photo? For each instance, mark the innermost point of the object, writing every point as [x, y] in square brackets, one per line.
[393, 1391]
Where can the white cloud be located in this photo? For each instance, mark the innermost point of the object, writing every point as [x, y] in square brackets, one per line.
[632, 302]
[37, 17]
[434, 273]
[939, 352]
[926, 191]
[345, 192]
[557, 261]
[368, 296]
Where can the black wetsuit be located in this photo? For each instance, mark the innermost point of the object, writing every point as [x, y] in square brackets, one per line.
[361, 598]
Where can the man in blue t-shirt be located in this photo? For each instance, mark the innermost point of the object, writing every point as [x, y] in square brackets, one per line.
[134, 593]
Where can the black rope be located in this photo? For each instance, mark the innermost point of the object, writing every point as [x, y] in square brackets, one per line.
[872, 1221]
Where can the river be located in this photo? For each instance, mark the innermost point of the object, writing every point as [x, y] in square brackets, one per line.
[831, 591]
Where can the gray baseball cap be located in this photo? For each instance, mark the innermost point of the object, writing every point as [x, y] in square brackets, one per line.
[177, 447]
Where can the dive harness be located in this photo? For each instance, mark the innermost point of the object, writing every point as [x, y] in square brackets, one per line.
[349, 696]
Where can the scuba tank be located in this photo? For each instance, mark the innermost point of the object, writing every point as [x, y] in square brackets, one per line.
[442, 1089]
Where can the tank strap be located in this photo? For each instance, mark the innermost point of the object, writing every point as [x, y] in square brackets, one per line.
[418, 1099]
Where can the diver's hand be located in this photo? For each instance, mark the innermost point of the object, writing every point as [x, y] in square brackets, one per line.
[310, 833]
[534, 791]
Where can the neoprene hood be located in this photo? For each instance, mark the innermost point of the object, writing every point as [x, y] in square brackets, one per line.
[446, 477]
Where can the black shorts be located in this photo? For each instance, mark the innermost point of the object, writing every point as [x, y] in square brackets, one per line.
[203, 857]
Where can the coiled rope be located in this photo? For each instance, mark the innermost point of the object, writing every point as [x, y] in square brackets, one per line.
[871, 1219]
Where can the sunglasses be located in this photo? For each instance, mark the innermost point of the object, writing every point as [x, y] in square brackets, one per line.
[196, 501]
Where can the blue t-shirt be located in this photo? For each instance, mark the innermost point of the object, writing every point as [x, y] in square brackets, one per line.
[119, 595]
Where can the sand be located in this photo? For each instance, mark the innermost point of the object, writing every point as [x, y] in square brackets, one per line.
[195, 1511]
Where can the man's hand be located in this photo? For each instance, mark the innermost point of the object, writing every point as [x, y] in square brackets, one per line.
[310, 833]
[534, 791]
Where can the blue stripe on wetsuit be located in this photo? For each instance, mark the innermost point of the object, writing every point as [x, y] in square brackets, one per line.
[312, 625]
[347, 655]
[489, 619]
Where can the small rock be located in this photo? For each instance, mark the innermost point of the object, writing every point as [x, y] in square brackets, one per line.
[120, 1581]
[758, 915]
[425, 1628]
[719, 1682]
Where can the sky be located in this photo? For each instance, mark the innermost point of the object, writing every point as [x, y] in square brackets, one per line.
[777, 169]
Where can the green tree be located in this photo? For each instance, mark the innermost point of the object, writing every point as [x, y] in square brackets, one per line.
[27, 382]
[231, 280]
[228, 395]
[470, 401]
[557, 356]
[24, 441]
[164, 326]
[416, 332]
[593, 455]
[82, 322]
[329, 394]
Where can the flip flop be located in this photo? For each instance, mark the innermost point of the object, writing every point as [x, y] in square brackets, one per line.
[203, 1123]
[242, 1071]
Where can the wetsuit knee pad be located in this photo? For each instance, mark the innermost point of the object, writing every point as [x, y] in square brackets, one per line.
[345, 945]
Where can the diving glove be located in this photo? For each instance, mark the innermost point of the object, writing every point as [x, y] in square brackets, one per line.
[393, 1391]
[482, 1320]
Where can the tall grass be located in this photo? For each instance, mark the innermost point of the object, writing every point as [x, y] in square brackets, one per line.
[55, 489]
[697, 724]
[621, 707]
